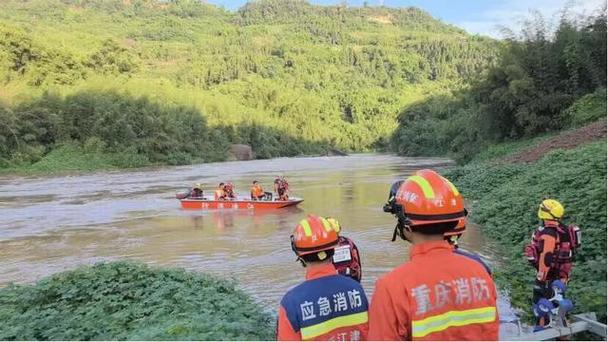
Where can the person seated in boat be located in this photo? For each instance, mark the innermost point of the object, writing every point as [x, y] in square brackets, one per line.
[281, 187]
[220, 193]
[196, 192]
[229, 191]
[257, 193]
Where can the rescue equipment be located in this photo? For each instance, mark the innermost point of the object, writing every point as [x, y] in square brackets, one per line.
[568, 241]
[550, 209]
[423, 199]
[313, 234]
[347, 259]
[242, 203]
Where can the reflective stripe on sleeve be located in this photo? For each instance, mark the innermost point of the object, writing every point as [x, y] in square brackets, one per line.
[426, 187]
[316, 330]
[449, 319]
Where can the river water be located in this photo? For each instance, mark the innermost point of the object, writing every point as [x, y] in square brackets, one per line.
[54, 224]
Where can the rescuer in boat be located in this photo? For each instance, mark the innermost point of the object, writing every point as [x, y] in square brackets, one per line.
[551, 252]
[327, 306]
[220, 193]
[258, 193]
[438, 294]
[281, 187]
[229, 191]
[196, 192]
[347, 259]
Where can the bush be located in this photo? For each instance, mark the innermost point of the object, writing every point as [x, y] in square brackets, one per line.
[588, 108]
[130, 301]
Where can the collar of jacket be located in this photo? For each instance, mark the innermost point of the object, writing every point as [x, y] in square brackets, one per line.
[315, 271]
[430, 247]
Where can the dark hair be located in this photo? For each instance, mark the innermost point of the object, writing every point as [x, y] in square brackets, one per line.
[312, 257]
[255, 181]
[435, 228]
[221, 183]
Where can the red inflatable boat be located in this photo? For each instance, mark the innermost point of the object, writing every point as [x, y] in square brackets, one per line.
[239, 203]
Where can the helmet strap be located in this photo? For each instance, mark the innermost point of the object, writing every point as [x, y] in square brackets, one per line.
[301, 261]
[399, 231]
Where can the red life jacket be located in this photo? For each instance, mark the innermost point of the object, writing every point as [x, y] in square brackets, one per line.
[568, 241]
[347, 259]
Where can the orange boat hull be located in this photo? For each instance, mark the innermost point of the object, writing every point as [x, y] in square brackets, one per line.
[204, 204]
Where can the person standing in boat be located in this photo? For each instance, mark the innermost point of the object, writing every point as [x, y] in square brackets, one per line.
[220, 193]
[281, 187]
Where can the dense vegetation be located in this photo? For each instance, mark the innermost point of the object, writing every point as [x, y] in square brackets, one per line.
[134, 130]
[285, 76]
[504, 199]
[130, 301]
[539, 75]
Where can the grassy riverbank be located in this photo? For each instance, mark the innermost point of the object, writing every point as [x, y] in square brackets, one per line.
[504, 198]
[131, 301]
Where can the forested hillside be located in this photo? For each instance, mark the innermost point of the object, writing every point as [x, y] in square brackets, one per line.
[545, 80]
[285, 76]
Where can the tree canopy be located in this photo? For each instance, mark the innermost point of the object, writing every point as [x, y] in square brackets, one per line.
[271, 72]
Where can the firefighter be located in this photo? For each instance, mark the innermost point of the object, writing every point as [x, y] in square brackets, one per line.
[281, 187]
[196, 192]
[220, 193]
[438, 294]
[257, 193]
[326, 306]
[551, 252]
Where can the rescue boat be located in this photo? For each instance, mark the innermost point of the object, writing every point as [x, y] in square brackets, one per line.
[238, 203]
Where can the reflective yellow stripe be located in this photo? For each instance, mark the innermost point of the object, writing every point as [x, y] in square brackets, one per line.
[306, 226]
[441, 322]
[313, 331]
[334, 223]
[426, 187]
[454, 190]
[326, 224]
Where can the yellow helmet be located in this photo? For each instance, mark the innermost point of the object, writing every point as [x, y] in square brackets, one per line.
[550, 209]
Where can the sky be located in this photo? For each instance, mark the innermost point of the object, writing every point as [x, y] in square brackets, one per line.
[475, 16]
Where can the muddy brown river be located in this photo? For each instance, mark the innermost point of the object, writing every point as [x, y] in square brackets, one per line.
[53, 224]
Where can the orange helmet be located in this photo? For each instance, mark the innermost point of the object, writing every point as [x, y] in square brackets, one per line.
[312, 235]
[460, 228]
[427, 198]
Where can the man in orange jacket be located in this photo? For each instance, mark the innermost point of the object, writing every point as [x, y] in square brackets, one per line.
[327, 306]
[438, 294]
[257, 193]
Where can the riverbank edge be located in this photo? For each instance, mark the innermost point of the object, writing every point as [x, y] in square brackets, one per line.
[73, 160]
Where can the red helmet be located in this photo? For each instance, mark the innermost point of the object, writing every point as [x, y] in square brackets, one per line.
[427, 198]
[312, 235]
